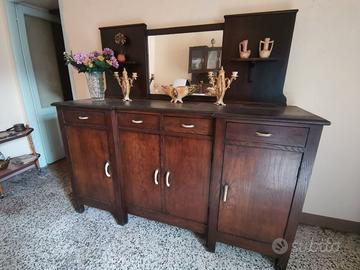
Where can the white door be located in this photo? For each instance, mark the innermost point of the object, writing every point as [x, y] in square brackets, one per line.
[38, 49]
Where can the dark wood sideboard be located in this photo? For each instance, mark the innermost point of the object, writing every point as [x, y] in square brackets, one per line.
[237, 174]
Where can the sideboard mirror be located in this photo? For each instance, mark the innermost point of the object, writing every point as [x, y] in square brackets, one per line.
[181, 59]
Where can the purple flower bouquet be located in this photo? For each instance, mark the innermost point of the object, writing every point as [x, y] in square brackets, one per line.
[93, 64]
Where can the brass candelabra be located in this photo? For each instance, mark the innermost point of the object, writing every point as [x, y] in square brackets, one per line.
[125, 83]
[220, 84]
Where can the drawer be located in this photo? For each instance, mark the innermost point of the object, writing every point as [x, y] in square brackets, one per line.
[200, 126]
[139, 120]
[292, 136]
[84, 117]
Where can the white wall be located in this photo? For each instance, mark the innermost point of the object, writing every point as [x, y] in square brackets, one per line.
[323, 73]
[12, 108]
[323, 77]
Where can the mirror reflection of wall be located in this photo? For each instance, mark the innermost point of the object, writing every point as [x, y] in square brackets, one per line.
[185, 58]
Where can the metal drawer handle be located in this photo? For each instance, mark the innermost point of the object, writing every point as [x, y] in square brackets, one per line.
[137, 121]
[187, 126]
[106, 169]
[226, 189]
[167, 179]
[263, 134]
[83, 117]
[156, 174]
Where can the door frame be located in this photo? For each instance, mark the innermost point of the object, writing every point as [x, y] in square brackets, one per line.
[25, 76]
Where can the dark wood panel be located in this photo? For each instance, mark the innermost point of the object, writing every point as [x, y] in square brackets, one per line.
[89, 151]
[119, 211]
[266, 145]
[261, 185]
[188, 161]
[185, 29]
[139, 120]
[140, 157]
[84, 117]
[215, 184]
[136, 53]
[300, 191]
[201, 126]
[293, 136]
[77, 204]
[172, 220]
[267, 76]
[264, 248]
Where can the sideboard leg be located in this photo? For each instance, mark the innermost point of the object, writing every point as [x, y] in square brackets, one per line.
[79, 208]
[282, 262]
[120, 218]
[210, 245]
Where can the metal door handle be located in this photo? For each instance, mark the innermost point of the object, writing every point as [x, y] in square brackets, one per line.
[156, 174]
[83, 117]
[226, 189]
[263, 134]
[106, 169]
[137, 121]
[187, 126]
[167, 179]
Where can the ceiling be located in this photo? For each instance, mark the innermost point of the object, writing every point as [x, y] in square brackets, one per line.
[47, 4]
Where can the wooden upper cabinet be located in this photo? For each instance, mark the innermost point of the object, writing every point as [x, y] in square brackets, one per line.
[89, 153]
[261, 184]
[188, 165]
[140, 159]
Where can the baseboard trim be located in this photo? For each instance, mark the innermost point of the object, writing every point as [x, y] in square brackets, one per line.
[330, 223]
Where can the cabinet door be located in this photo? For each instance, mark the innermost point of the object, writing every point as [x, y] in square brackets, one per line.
[140, 158]
[261, 184]
[89, 153]
[188, 161]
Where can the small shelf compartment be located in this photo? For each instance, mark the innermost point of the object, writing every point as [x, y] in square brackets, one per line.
[15, 135]
[125, 64]
[121, 64]
[252, 63]
[16, 167]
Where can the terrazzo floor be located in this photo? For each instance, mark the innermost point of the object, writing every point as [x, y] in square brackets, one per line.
[40, 230]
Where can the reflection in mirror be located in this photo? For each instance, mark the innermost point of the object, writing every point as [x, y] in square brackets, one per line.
[184, 59]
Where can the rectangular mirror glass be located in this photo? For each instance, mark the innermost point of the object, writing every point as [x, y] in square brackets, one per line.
[184, 59]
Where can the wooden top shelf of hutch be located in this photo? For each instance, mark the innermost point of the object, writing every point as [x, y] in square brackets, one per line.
[254, 59]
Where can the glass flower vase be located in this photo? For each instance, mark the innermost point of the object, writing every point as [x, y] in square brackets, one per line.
[95, 81]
